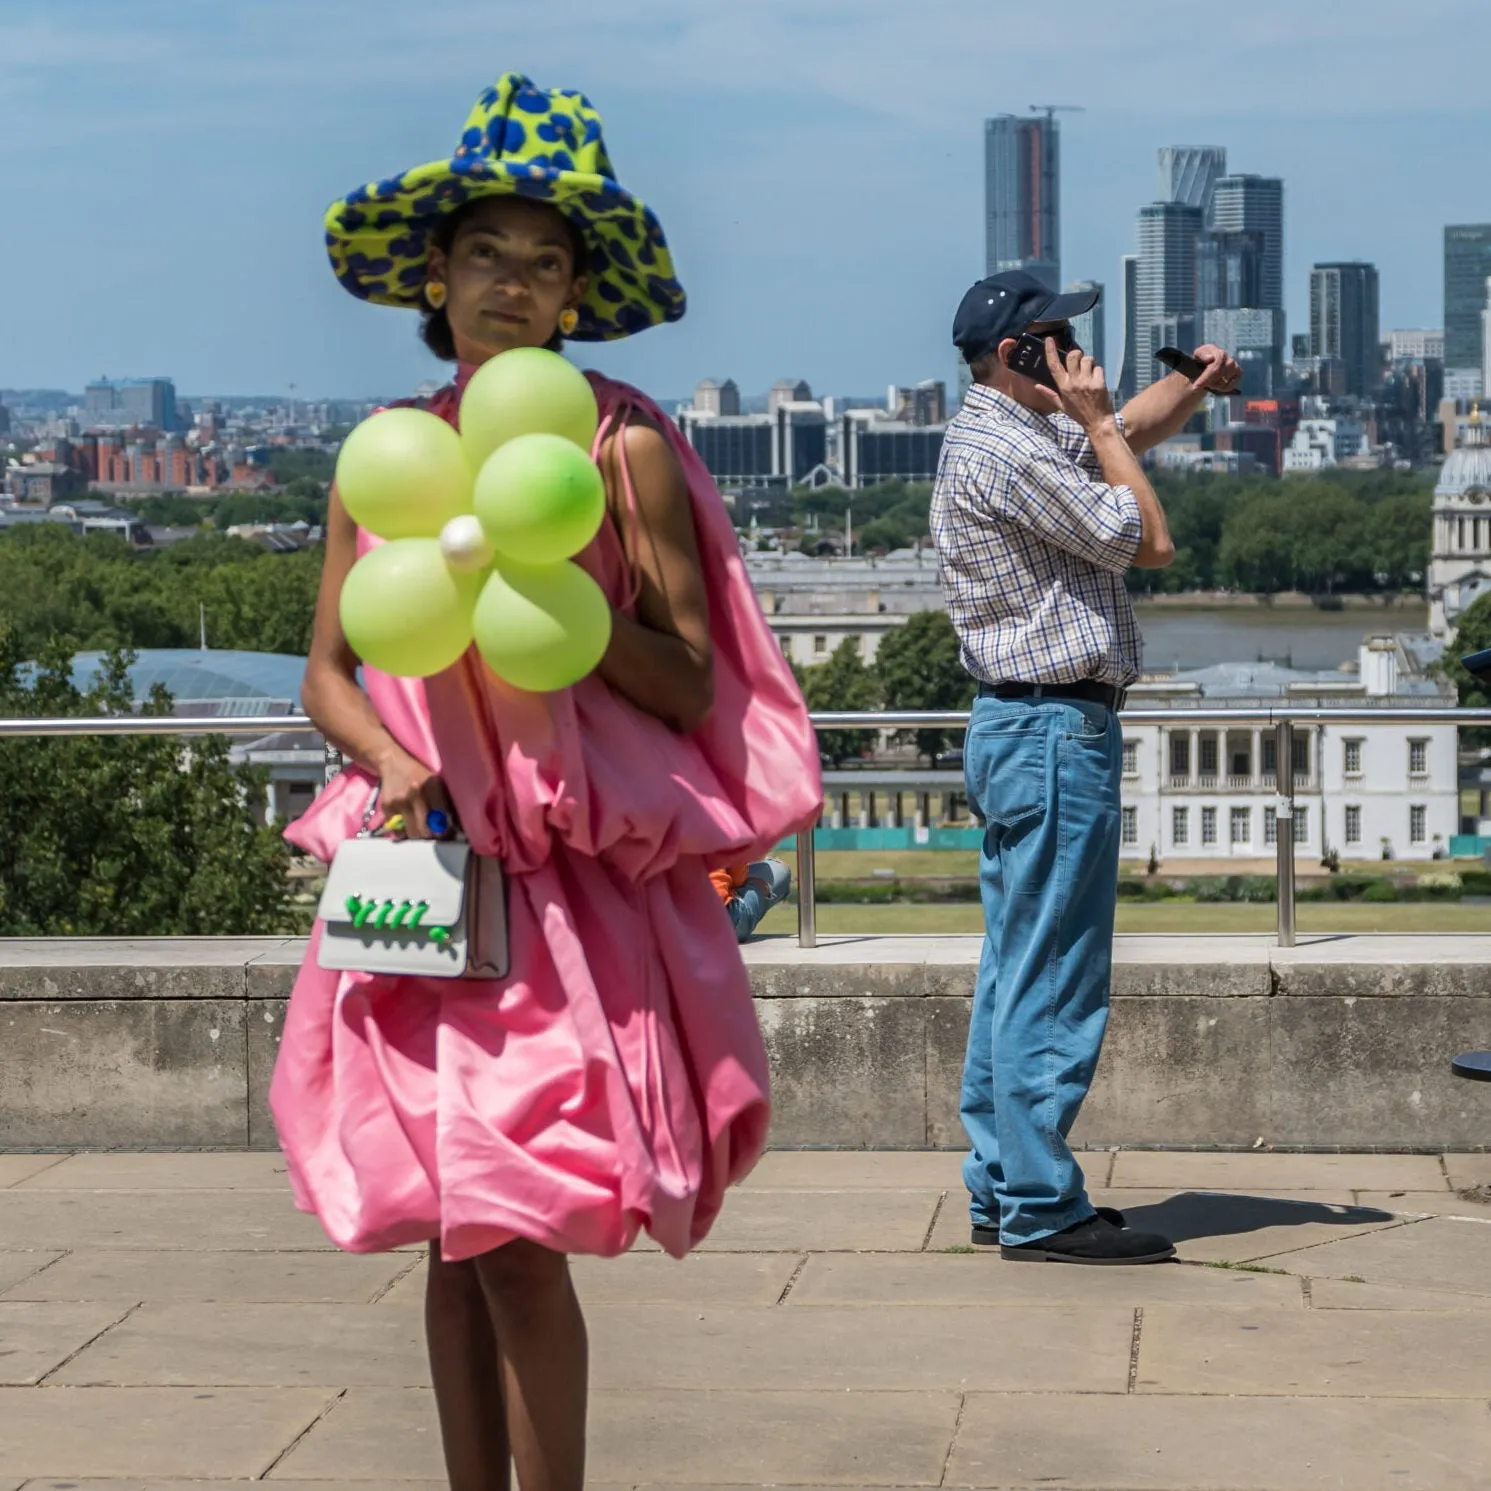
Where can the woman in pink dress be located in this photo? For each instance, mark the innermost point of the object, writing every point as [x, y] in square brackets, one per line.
[615, 1080]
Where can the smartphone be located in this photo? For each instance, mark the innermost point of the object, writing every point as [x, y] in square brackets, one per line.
[1029, 357]
[1478, 665]
[1180, 362]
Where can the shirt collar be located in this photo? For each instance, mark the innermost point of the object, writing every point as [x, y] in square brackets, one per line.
[989, 402]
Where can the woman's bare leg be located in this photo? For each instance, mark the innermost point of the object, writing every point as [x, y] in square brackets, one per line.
[545, 1362]
[466, 1371]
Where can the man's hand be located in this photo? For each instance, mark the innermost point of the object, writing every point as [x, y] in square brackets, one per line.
[1221, 373]
[1081, 388]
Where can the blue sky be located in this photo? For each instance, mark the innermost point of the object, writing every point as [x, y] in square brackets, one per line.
[817, 163]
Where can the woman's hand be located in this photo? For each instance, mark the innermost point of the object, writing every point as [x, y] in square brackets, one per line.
[411, 791]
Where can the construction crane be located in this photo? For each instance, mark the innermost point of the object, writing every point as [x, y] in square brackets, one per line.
[1051, 110]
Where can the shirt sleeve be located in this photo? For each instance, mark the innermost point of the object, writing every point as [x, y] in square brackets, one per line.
[1043, 489]
[1072, 438]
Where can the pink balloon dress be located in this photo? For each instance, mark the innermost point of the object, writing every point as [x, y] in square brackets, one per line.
[616, 1079]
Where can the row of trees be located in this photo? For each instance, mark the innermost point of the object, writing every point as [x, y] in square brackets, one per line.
[131, 836]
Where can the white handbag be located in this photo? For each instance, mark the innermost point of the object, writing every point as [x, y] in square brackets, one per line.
[424, 908]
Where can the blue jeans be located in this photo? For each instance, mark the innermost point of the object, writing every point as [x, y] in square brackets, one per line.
[746, 907]
[1044, 777]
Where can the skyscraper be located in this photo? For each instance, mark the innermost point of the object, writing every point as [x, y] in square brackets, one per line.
[1189, 174]
[149, 402]
[1467, 263]
[1090, 329]
[1344, 325]
[1255, 204]
[1165, 293]
[1022, 196]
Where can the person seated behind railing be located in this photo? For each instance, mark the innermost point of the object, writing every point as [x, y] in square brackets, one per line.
[750, 891]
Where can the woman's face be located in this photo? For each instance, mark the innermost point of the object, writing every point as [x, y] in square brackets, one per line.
[509, 273]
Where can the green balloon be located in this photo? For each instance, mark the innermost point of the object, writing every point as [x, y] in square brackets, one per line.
[403, 473]
[542, 627]
[540, 499]
[405, 611]
[528, 391]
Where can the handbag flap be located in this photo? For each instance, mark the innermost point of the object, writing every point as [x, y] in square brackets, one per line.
[428, 871]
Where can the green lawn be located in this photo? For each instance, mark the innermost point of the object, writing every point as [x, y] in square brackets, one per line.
[1160, 917]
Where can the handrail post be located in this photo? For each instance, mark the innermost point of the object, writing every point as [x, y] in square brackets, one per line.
[1284, 827]
[807, 887]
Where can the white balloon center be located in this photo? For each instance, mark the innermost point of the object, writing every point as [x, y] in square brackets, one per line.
[464, 543]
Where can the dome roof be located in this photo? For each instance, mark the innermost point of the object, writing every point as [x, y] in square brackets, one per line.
[1469, 466]
[236, 683]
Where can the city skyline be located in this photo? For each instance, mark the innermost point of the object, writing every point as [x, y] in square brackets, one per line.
[199, 258]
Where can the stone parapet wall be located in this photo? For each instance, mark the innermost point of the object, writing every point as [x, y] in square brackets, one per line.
[1220, 1042]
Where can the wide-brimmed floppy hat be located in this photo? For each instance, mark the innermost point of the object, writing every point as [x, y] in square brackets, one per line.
[519, 141]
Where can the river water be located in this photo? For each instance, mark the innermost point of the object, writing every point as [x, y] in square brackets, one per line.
[1198, 637]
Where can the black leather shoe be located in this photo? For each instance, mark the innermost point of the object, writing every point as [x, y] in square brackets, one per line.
[1096, 1240]
[988, 1237]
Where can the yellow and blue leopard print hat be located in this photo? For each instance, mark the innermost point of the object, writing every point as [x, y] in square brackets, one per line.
[520, 140]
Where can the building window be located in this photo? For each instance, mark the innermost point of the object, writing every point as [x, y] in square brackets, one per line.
[1353, 825]
[820, 646]
[1270, 756]
[1418, 758]
[1353, 755]
[1241, 827]
[1208, 755]
[1131, 758]
[1270, 826]
[1301, 824]
[1180, 827]
[1180, 755]
[1131, 825]
[1418, 825]
[1208, 825]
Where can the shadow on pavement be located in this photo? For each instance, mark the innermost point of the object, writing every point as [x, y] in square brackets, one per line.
[1196, 1214]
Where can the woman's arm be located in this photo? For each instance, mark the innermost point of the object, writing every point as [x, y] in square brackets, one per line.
[340, 710]
[661, 661]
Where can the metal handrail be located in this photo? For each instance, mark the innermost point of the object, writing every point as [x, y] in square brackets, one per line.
[1282, 719]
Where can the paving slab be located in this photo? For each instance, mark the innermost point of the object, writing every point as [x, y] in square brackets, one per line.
[1347, 1294]
[921, 1279]
[1440, 1253]
[1153, 1170]
[1334, 1353]
[17, 1266]
[1084, 1348]
[189, 1278]
[152, 1431]
[701, 1437]
[14, 1168]
[1467, 1170]
[232, 1345]
[164, 1172]
[233, 1220]
[847, 1170]
[158, 1483]
[1425, 1204]
[702, 1279]
[37, 1338]
[1141, 1443]
[758, 1220]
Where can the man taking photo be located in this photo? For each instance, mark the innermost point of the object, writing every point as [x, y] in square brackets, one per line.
[1039, 509]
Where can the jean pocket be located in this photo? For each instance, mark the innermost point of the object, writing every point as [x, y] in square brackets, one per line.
[1089, 722]
[1006, 772]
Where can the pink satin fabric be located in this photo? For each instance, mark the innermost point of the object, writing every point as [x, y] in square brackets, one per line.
[616, 1080]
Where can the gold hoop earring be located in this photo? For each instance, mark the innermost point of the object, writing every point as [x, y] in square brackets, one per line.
[569, 318]
[434, 294]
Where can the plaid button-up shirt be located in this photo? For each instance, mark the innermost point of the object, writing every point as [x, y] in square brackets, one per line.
[1033, 545]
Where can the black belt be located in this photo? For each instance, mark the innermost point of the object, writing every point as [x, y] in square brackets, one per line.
[1088, 690]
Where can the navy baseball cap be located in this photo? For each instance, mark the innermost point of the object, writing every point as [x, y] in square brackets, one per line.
[1005, 304]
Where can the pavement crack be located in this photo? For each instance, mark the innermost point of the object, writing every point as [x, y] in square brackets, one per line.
[952, 1444]
[1134, 1349]
[72, 1356]
[382, 1290]
[802, 1263]
[299, 1439]
[932, 1225]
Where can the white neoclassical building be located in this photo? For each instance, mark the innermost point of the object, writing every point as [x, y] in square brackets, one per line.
[1208, 791]
[1460, 561]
